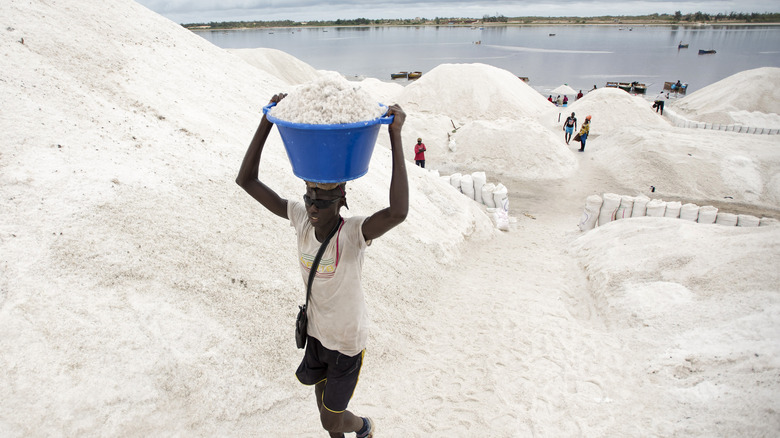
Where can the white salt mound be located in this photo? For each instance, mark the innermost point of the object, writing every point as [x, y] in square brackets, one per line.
[279, 64]
[472, 92]
[328, 100]
[750, 90]
[611, 109]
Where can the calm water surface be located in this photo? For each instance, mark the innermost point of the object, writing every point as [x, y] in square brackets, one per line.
[581, 56]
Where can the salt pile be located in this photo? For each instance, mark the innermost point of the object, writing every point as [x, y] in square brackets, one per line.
[751, 98]
[518, 147]
[281, 65]
[328, 100]
[471, 92]
[143, 293]
[611, 108]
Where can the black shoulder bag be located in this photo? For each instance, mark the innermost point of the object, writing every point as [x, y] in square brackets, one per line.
[302, 321]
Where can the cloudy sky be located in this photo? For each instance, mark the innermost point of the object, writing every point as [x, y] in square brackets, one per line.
[191, 11]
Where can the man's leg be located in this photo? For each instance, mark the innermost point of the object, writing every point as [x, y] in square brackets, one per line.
[422, 164]
[336, 423]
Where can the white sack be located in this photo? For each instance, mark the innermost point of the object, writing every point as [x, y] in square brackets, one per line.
[625, 208]
[640, 206]
[467, 186]
[501, 215]
[487, 195]
[591, 213]
[689, 212]
[453, 147]
[728, 219]
[609, 208]
[479, 179]
[746, 220]
[455, 180]
[673, 209]
[707, 214]
[768, 221]
[656, 208]
[499, 195]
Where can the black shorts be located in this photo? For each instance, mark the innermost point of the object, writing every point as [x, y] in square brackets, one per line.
[339, 372]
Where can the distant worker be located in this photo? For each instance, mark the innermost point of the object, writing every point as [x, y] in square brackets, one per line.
[550, 98]
[419, 153]
[558, 100]
[594, 87]
[658, 104]
[583, 134]
[568, 127]
[579, 95]
[565, 100]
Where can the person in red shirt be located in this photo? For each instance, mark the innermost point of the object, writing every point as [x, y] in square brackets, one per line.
[419, 153]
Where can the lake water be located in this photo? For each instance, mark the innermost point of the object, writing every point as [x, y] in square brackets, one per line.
[581, 56]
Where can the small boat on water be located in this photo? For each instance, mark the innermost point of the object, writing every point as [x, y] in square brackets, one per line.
[682, 46]
[552, 34]
[399, 75]
[675, 87]
[414, 75]
[706, 52]
[524, 78]
[629, 87]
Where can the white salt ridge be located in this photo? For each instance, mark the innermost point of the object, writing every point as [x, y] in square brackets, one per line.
[328, 100]
[140, 286]
[281, 65]
[750, 98]
[472, 92]
[611, 109]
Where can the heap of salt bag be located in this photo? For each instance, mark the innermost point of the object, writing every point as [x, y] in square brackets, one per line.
[609, 208]
[467, 186]
[328, 100]
[479, 179]
[625, 208]
[640, 206]
[728, 219]
[747, 220]
[689, 212]
[656, 208]
[455, 180]
[707, 214]
[591, 213]
[487, 195]
[500, 196]
[673, 209]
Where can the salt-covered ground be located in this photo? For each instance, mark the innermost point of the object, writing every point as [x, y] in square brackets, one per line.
[142, 293]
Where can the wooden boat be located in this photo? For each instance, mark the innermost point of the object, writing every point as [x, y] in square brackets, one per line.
[672, 86]
[638, 88]
[523, 78]
[399, 75]
[706, 52]
[682, 46]
[612, 84]
[552, 34]
[625, 86]
[414, 75]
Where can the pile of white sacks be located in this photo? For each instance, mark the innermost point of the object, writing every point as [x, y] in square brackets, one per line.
[493, 196]
[602, 210]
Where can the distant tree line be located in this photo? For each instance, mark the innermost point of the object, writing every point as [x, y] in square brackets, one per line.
[677, 17]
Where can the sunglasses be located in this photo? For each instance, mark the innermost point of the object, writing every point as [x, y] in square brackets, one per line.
[319, 203]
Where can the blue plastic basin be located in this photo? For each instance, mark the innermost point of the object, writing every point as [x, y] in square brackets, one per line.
[329, 153]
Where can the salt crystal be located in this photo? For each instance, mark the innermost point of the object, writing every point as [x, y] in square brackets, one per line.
[328, 100]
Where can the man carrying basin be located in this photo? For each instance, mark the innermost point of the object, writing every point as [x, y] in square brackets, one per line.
[337, 320]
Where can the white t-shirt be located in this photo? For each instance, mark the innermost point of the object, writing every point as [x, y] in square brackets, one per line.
[337, 308]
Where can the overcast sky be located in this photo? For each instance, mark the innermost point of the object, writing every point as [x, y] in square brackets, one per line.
[191, 11]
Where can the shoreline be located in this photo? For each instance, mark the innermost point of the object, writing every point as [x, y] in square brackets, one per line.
[642, 23]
